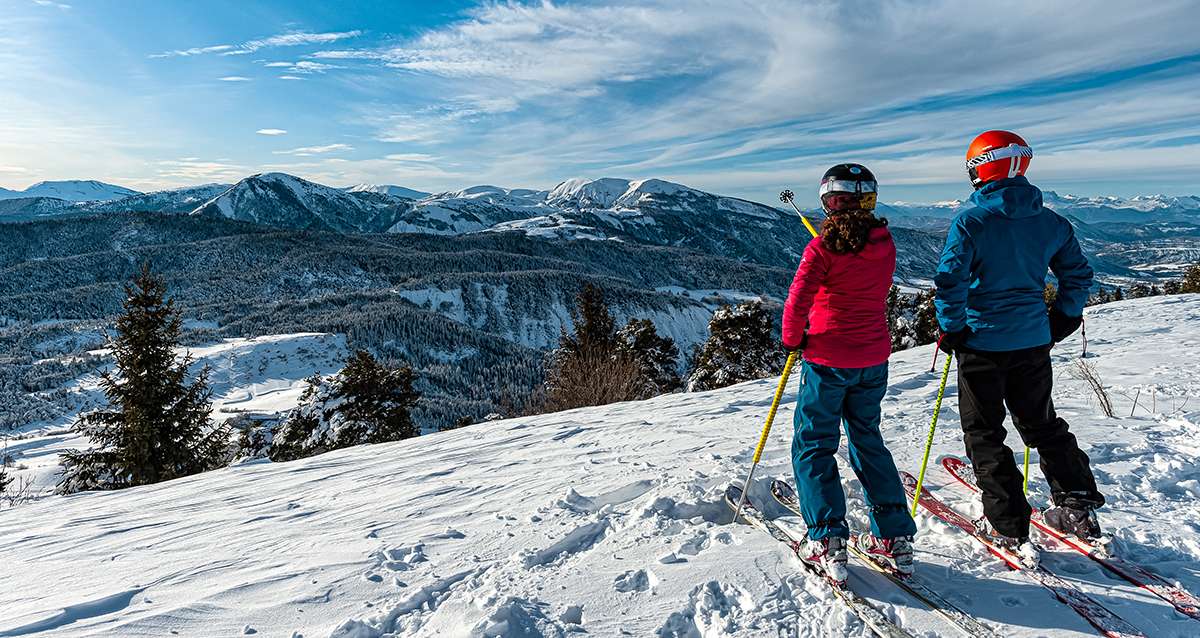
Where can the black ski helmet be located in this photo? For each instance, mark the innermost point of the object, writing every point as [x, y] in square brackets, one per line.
[848, 187]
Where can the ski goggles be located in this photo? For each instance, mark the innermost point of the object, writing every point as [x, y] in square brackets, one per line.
[1012, 151]
[838, 200]
[846, 186]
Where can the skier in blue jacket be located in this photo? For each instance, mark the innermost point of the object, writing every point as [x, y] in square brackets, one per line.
[992, 314]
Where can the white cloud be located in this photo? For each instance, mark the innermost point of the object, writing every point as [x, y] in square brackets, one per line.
[290, 77]
[317, 150]
[51, 3]
[410, 157]
[283, 40]
[271, 131]
[234, 78]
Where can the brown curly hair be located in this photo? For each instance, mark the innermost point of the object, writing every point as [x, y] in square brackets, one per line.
[847, 231]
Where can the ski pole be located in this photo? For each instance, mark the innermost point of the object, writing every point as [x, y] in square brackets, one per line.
[937, 409]
[762, 440]
[790, 197]
[1027, 469]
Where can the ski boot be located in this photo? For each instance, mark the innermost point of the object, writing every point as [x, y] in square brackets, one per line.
[830, 555]
[1074, 522]
[1026, 552]
[896, 552]
[1080, 523]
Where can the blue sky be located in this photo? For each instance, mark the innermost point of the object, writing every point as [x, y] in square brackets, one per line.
[737, 97]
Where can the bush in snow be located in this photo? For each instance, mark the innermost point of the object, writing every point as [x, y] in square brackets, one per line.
[596, 364]
[367, 402]
[741, 346]
[156, 426]
[1191, 280]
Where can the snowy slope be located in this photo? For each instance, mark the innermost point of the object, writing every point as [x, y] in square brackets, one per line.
[387, 189]
[73, 191]
[177, 200]
[279, 199]
[605, 520]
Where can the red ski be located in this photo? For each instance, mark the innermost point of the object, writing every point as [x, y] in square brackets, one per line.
[1088, 608]
[1180, 598]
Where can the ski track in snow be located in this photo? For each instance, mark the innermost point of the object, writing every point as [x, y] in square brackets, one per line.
[606, 520]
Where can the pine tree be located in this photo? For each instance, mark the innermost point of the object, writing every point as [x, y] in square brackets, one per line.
[1191, 280]
[157, 426]
[741, 346]
[366, 402]
[1118, 294]
[925, 325]
[1173, 287]
[375, 400]
[897, 325]
[657, 357]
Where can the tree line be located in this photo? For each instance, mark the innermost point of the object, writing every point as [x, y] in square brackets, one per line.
[158, 425]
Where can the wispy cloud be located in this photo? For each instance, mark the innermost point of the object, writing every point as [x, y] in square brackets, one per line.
[271, 131]
[234, 78]
[290, 77]
[299, 38]
[304, 66]
[304, 151]
[51, 3]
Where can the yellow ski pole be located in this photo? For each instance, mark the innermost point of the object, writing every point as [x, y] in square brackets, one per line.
[785, 196]
[762, 440]
[1026, 469]
[937, 409]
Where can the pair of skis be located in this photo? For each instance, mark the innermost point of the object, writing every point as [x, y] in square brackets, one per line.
[870, 615]
[1182, 600]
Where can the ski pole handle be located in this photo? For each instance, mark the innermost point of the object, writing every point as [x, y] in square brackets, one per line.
[762, 439]
[937, 409]
[789, 197]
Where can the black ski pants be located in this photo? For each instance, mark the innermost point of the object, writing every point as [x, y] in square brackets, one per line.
[1022, 380]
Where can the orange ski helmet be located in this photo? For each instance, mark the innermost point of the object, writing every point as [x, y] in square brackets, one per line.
[996, 155]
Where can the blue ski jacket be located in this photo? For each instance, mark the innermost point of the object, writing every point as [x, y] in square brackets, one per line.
[993, 268]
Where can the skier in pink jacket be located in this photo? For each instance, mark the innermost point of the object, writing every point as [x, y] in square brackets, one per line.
[836, 312]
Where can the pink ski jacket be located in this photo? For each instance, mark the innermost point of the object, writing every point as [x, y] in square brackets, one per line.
[842, 299]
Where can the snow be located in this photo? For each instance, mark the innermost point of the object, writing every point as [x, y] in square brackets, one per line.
[602, 520]
[73, 191]
[387, 189]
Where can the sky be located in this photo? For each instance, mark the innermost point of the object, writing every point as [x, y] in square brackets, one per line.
[737, 97]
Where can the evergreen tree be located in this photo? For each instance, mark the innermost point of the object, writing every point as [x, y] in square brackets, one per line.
[1173, 287]
[1118, 294]
[657, 357]
[1139, 291]
[1191, 280]
[366, 402]
[925, 325]
[897, 308]
[741, 346]
[157, 426]
[374, 401]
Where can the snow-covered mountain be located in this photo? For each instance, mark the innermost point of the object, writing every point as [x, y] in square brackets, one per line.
[605, 521]
[286, 201]
[177, 200]
[72, 191]
[651, 212]
[387, 189]
[30, 208]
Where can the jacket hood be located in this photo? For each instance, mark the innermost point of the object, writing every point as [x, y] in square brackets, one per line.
[1014, 197]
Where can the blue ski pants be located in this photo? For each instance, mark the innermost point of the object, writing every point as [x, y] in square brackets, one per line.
[830, 397]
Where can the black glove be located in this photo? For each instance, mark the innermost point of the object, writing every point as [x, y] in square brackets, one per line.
[950, 342]
[1062, 326]
[798, 347]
